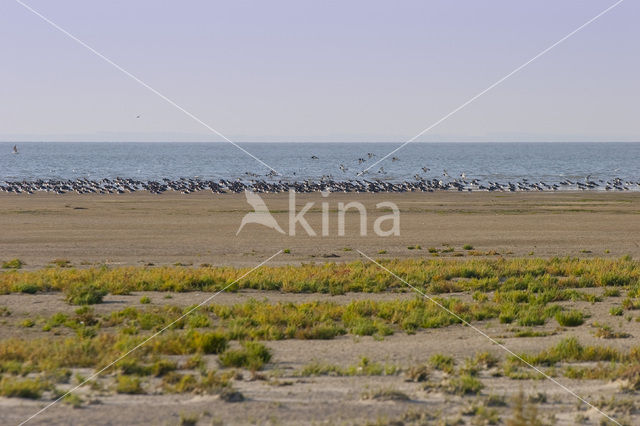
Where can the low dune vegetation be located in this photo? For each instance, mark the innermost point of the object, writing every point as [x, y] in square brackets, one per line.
[433, 275]
[566, 308]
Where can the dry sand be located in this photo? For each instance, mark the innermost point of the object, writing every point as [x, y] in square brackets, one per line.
[140, 228]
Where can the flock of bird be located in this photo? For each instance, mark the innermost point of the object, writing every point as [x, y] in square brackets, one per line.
[221, 186]
[325, 183]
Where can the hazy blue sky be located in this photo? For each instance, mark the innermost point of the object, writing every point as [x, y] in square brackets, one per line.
[319, 70]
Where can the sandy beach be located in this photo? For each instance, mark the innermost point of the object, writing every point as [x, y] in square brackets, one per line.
[367, 377]
[139, 228]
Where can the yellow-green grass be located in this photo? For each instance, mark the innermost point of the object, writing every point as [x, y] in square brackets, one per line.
[434, 275]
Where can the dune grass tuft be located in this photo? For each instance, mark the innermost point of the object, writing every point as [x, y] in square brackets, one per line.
[252, 356]
[570, 318]
[85, 294]
[12, 264]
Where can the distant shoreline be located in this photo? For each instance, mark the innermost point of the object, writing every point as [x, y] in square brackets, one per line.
[222, 186]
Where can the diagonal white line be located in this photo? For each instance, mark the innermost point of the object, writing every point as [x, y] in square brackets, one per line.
[493, 85]
[148, 339]
[142, 83]
[495, 342]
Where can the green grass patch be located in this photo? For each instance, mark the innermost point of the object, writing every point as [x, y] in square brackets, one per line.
[129, 385]
[252, 356]
[85, 294]
[570, 318]
[12, 264]
[11, 387]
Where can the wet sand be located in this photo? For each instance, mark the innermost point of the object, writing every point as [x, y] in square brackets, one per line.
[141, 228]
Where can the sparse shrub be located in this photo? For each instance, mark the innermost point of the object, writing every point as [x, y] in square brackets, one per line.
[486, 360]
[508, 314]
[253, 356]
[286, 251]
[524, 414]
[604, 331]
[26, 288]
[198, 320]
[530, 317]
[320, 331]
[418, 373]
[630, 304]
[616, 311]
[15, 388]
[84, 294]
[364, 327]
[442, 362]
[73, 400]
[570, 319]
[467, 247]
[28, 322]
[611, 292]
[145, 300]
[131, 367]
[465, 384]
[316, 368]
[128, 385]
[367, 368]
[211, 342]
[12, 264]
[570, 350]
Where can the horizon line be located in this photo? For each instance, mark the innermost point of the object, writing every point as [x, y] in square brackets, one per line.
[325, 142]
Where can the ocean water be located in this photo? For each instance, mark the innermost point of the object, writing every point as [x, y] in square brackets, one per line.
[501, 162]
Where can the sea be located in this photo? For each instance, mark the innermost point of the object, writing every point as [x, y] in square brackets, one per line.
[503, 162]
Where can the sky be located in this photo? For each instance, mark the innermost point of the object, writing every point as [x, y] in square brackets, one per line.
[319, 70]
